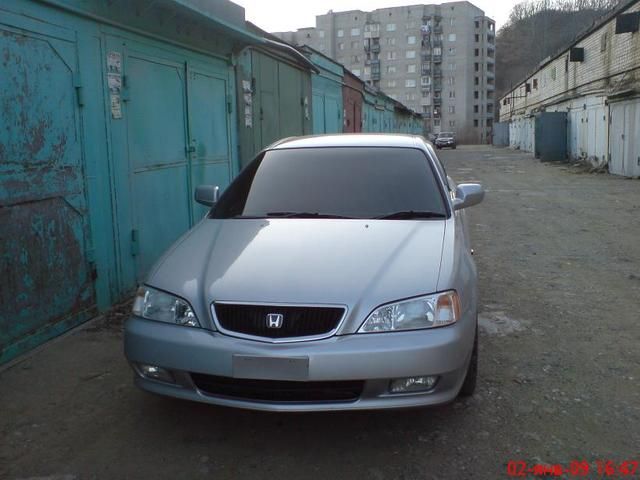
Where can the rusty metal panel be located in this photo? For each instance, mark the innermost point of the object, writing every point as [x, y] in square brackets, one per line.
[46, 284]
[353, 98]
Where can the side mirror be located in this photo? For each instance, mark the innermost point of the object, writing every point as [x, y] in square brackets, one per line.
[468, 195]
[207, 194]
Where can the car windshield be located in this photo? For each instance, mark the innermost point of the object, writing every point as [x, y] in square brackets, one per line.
[349, 182]
[445, 135]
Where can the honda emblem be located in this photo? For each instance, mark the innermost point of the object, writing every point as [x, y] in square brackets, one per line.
[275, 320]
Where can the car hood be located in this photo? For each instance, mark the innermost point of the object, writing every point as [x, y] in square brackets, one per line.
[356, 263]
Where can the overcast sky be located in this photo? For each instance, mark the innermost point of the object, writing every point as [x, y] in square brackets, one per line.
[283, 15]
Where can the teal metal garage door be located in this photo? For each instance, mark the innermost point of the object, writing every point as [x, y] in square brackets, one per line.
[170, 133]
[45, 272]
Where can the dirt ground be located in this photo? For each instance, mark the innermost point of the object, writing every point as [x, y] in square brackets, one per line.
[558, 253]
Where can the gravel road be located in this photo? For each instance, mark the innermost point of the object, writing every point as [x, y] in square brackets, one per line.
[558, 253]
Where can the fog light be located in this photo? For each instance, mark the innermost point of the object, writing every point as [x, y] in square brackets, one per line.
[156, 373]
[413, 384]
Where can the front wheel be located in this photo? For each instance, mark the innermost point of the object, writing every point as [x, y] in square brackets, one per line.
[471, 378]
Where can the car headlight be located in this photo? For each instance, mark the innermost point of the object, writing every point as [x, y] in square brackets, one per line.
[430, 311]
[163, 307]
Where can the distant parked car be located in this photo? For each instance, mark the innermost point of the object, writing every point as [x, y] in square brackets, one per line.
[445, 139]
[334, 273]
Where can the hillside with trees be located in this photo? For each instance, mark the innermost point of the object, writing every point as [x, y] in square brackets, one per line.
[537, 29]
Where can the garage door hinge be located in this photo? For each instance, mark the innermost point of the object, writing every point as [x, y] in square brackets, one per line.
[135, 246]
[79, 93]
[125, 89]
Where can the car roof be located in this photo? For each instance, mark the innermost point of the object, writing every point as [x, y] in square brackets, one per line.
[350, 140]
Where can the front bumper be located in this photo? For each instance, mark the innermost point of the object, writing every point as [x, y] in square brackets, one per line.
[372, 358]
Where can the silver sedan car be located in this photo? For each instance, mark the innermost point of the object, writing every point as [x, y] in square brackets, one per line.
[334, 273]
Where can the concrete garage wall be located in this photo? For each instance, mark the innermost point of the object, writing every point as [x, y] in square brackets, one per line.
[600, 94]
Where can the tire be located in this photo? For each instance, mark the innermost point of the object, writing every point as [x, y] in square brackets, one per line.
[471, 378]
[454, 147]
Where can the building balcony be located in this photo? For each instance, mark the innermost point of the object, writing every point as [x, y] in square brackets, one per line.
[375, 76]
[437, 59]
[436, 43]
[437, 29]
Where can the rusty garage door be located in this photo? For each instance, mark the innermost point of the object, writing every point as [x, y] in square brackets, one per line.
[46, 284]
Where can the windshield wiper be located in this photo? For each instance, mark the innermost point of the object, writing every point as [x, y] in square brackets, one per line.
[410, 214]
[303, 215]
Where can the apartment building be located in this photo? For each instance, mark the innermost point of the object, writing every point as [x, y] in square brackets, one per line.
[438, 60]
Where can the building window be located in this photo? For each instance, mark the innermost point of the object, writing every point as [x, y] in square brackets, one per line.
[476, 81]
[452, 37]
[340, 45]
[475, 108]
[355, 45]
[425, 81]
[356, 72]
[436, 122]
[452, 123]
[392, 55]
[452, 94]
[340, 33]
[391, 83]
[320, 33]
[410, 83]
[410, 97]
[410, 54]
[411, 68]
[477, 38]
[475, 122]
[367, 71]
[355, 59]
[476, 94]
[452, 109]
[425, 93]
[554, 73]
[391, 69]
[426, 109]
[452, 66]
[452, 21]
[451, 80]
[477, 24]
[489, 122]
[321, 47]
[603, 42]
[391, 41]
[452, 50]
[476, 52]
[476, 67]
[411, 40]
[535, 83]
[391, 27]
[355, 32]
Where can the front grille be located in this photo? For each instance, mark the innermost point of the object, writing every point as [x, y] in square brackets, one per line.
[278, 390]
[297, 321]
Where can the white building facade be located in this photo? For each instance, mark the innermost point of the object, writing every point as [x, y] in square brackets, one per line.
[596, 81]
